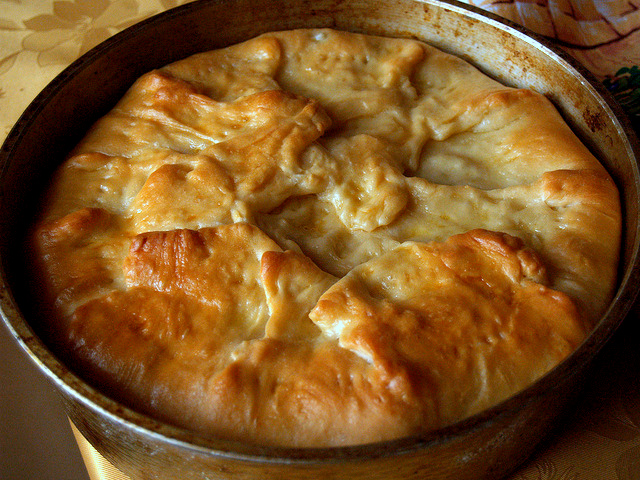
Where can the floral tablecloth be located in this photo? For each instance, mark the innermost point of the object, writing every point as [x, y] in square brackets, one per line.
[601, 439]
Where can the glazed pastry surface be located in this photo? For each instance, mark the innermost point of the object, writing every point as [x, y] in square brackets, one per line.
[320, 238]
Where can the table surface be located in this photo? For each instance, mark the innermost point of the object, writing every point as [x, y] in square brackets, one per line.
[600, 440]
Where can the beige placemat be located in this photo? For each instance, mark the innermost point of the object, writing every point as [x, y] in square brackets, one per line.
[98, 467]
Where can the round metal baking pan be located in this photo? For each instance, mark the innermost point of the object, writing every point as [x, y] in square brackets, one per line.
[488, 445]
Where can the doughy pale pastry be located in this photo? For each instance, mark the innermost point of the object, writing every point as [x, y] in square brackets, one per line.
[320, 238]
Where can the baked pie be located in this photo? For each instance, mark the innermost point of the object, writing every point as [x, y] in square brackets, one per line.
[321, 238]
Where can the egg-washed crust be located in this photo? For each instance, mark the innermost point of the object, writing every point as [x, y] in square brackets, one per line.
[320, 238]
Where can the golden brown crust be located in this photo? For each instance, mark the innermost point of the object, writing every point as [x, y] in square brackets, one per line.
[319, 238]
[448, 315]
[76, 254]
